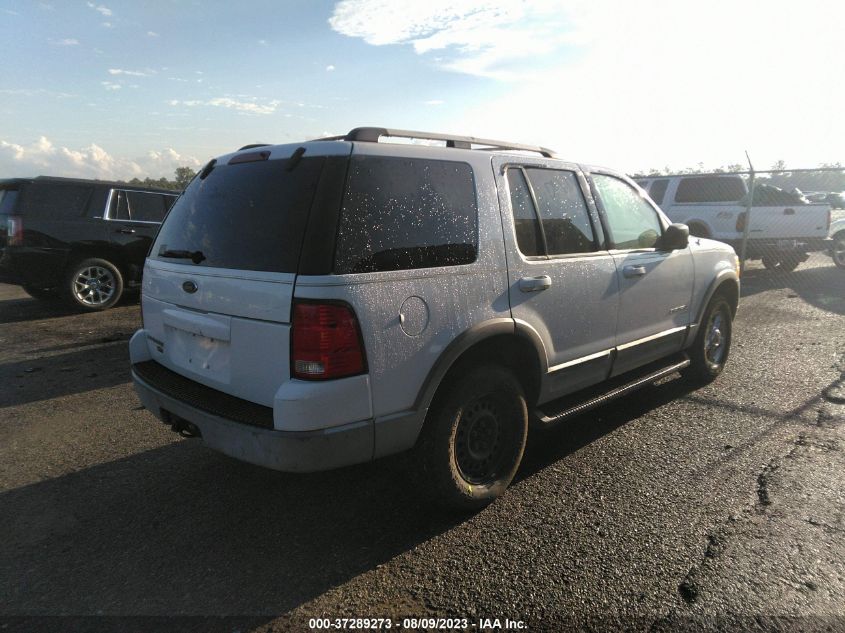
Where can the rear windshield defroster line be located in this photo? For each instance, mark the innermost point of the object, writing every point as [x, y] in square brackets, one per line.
[248, 216]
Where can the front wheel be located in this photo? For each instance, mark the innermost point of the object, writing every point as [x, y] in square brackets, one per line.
[473, 439]
[93, 284]
[712, 345]
[838, 250]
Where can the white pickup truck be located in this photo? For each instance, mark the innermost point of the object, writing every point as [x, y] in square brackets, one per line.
[784, 226]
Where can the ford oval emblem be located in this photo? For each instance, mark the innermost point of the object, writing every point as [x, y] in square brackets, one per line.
[189, 287]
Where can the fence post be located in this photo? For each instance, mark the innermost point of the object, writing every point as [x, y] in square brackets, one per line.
[747, 227]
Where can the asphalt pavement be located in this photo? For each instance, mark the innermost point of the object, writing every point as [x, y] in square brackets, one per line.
[674, 508]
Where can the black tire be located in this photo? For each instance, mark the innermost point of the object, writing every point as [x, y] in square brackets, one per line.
[708, 356]
[42, 294]
[473, 439]
[782, 264]
[837, 251]
[92, 285]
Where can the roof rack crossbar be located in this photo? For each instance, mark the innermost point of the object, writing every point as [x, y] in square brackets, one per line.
[373, 134]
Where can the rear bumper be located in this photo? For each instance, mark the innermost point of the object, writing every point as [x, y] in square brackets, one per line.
[291, 451]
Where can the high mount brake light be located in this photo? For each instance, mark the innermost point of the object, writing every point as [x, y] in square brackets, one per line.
[326, 341]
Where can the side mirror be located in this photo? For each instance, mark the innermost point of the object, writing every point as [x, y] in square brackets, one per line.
[676, 236]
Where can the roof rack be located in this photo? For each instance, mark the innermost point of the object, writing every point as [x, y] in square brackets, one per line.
[251, 145]
[373, 134]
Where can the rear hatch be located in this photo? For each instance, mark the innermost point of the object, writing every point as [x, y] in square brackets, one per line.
[218, 282]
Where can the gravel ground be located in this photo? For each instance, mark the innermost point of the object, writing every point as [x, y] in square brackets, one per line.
[671, 509]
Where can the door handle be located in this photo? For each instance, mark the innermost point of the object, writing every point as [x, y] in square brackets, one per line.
[789, 211]
[125, 231]
[535, 284]
[634, 271]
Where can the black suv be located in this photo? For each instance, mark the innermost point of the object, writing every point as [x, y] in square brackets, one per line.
[81, 240]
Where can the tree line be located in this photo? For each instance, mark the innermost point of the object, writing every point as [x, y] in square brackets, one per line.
[827, 177]
[182, 176]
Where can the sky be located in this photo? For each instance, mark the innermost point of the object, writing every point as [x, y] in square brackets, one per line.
[124, 89]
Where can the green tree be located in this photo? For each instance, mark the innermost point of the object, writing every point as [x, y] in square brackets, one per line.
[184, 175]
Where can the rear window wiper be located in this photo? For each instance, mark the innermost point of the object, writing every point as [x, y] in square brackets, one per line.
[194, 256]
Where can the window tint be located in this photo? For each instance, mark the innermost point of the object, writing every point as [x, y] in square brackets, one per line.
[55, 200]
[658, 190]
[563, 211]
[710, 189]
[525, 220]
[248, 216]
[145, 207]
[401, 213]
[632, 221]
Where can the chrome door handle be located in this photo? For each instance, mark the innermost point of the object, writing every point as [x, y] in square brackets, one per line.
[535, 284]
[126, 231]
[634, 271]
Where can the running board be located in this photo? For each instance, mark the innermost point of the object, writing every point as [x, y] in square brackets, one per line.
[548, 419]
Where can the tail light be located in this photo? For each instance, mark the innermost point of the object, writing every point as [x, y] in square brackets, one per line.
[326, 341]
[14, 230]
[740, 222]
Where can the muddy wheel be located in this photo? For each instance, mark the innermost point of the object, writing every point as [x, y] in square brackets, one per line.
[473, 439]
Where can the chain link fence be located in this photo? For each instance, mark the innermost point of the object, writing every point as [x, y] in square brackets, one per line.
[776, 220]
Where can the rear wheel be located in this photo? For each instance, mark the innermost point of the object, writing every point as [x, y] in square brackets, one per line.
[473, 439]
[712, 345]
[93, 284]
[838, 250]
[782, 264]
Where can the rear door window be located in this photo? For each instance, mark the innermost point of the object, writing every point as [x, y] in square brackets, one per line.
[146, 207]
[529, 239]
[8, 200]
[246, 216]
[658, 190]
[563, 211]
[406, 213]
[710, 189]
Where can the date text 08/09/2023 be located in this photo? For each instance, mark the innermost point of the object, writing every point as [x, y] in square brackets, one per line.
[413, 624]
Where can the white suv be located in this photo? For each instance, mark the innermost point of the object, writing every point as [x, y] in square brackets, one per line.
[313, 305]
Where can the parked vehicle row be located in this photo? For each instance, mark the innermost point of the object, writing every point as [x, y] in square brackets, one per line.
[80, 240]
[784, 226]
[312, 305]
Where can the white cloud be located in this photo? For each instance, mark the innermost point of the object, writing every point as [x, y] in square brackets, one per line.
[253, 106]
[101, 9]
[152, 34]
[678, 83]
[329, 68]
[107, 25]
[69, 41]
[491, 38]
[262, 42]
[131, 73]
[44, 158]
[110, 85]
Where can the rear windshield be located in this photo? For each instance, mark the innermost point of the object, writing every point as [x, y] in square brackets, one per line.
[247, 216]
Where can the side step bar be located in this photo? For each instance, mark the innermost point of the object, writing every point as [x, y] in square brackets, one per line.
[566, 409]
